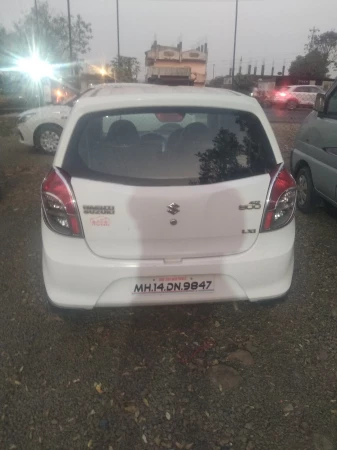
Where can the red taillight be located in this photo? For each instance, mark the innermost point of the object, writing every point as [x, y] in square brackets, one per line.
[281, 202]
[59, 204]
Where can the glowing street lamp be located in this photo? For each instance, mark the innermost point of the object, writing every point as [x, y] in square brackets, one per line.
[35, 68]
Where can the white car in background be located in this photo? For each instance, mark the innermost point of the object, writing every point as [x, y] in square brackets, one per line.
[42, 127]
[160, 209]
[292, 97]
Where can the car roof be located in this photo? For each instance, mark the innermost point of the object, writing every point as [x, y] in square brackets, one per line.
[303, 85]
[103, 90]
[130, 95]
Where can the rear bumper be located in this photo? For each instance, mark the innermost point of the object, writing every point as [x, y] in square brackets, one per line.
[76, 278]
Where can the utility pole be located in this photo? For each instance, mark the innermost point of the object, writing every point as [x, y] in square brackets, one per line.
[37, 40]
[284, 68]
[70, 40]
[235, 33]
[313, 32]
[37, 20]
[118, 44]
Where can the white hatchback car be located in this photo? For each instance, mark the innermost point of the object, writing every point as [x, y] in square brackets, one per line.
[196, 209]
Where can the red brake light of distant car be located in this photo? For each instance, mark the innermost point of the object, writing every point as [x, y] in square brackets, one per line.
[281, 203]
[282, 94]
[59, 204]
[170, 117]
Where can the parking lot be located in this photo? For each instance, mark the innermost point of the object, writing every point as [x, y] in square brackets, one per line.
[190, 377]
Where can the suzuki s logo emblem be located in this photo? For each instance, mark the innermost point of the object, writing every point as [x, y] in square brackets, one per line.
[173, 208]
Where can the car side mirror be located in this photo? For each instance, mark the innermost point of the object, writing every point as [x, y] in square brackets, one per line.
[320, 103]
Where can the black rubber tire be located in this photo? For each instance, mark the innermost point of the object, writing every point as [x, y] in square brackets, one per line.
[49, 127]
[310, 203]
[291, 105]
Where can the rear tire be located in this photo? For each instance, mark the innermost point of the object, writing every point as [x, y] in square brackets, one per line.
[306, 198]
[47, 138]
[292, 105]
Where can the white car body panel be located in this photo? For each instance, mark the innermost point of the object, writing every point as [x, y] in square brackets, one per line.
[209, 222]
[139, 243]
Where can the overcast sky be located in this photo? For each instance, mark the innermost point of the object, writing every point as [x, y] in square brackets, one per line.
[267, 29]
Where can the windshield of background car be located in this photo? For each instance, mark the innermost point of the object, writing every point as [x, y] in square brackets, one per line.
[169, 147]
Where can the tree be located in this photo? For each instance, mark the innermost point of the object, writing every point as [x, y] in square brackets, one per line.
[126, 69]
[4, 49]
[244, 83]
[217, 82]
[313, 65]
[325, 43]
[47, 34]
[221, 162]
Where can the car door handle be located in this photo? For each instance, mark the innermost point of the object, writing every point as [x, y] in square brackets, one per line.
[331, 150]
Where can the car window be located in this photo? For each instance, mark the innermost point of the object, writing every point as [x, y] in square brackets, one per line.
[303, 89]
[313, 89]
[157, 147]
[332, 104]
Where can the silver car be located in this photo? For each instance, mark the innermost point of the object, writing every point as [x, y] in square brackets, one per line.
[314, 158]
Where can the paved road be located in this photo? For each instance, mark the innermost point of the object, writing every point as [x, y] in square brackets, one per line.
[285, 116]
[148, 378]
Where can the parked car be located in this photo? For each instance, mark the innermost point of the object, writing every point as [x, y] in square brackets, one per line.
[13, 97]
[42, 127]
[314, 158]
[292, 97]
[183, 212]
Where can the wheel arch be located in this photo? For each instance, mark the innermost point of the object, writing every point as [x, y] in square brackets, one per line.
[300, 164]
[42, 125]
[294, 100]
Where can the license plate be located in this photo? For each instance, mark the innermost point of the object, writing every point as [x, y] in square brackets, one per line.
[170, 285]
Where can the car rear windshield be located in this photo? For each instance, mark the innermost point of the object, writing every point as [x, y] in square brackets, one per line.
[169, 146]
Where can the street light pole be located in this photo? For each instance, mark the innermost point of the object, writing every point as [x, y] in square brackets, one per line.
[118, 45]
[235, 33]
[37, 20]
[69, 31]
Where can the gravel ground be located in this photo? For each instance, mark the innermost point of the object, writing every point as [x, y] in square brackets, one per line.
[190, 377]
